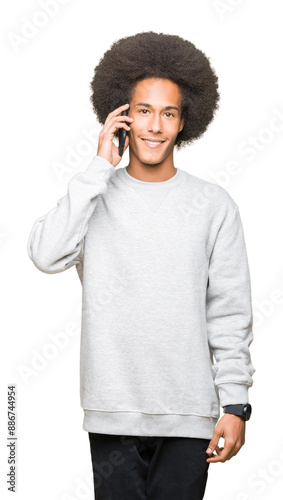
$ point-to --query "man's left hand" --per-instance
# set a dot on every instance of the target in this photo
(232, 428)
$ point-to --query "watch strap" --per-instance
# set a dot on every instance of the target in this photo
(242, 410)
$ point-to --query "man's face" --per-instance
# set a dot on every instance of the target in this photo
(156, 110)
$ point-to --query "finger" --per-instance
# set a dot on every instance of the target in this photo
(117, 111)
(214, 440)
(224, 453)
(221, 457)
(115, 123)
(110, 133)
(119, 118)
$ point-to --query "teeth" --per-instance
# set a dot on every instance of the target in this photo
(153, 142)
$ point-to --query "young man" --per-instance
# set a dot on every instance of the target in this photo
(166, 288)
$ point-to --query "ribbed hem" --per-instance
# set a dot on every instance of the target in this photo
(143, 424)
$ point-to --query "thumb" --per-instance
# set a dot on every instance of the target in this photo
(213, 443)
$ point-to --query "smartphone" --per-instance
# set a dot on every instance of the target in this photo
(122, 135)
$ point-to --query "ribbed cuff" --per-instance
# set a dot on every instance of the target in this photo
(100, 166)
(233, 394)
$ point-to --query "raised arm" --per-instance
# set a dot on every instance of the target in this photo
(56, 240)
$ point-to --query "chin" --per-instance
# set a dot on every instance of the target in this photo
(152, 161)
(151, 158)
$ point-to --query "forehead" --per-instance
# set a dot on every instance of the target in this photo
(157, 91)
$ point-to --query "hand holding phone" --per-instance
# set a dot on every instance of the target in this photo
(116, 120)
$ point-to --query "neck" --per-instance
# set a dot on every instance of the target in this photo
(155, 172)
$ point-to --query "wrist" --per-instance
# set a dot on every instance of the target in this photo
(242, 410)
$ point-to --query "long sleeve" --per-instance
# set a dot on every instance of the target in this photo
(229, 312)
(56, 240)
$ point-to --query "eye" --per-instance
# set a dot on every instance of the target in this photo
(146, 111)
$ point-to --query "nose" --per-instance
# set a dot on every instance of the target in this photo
(154, 123)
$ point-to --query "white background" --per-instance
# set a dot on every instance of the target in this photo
(46, 113)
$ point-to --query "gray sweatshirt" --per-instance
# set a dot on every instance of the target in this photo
(166, 299)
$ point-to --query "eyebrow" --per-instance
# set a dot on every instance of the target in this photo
(149, 106)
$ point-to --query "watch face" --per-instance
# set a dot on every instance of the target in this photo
(247, 411)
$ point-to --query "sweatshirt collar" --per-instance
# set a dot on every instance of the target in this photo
(132, 181)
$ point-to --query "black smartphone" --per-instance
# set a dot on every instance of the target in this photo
(122, 135)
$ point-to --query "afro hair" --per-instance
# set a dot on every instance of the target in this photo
(149, 54)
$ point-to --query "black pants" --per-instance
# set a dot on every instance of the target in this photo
(148, 468)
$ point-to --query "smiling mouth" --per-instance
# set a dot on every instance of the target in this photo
(153, 143)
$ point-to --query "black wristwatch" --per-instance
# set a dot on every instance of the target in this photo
(243, 411)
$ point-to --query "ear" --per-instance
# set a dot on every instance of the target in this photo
(182, 123)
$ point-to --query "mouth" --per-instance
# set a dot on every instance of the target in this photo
(152, 143)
